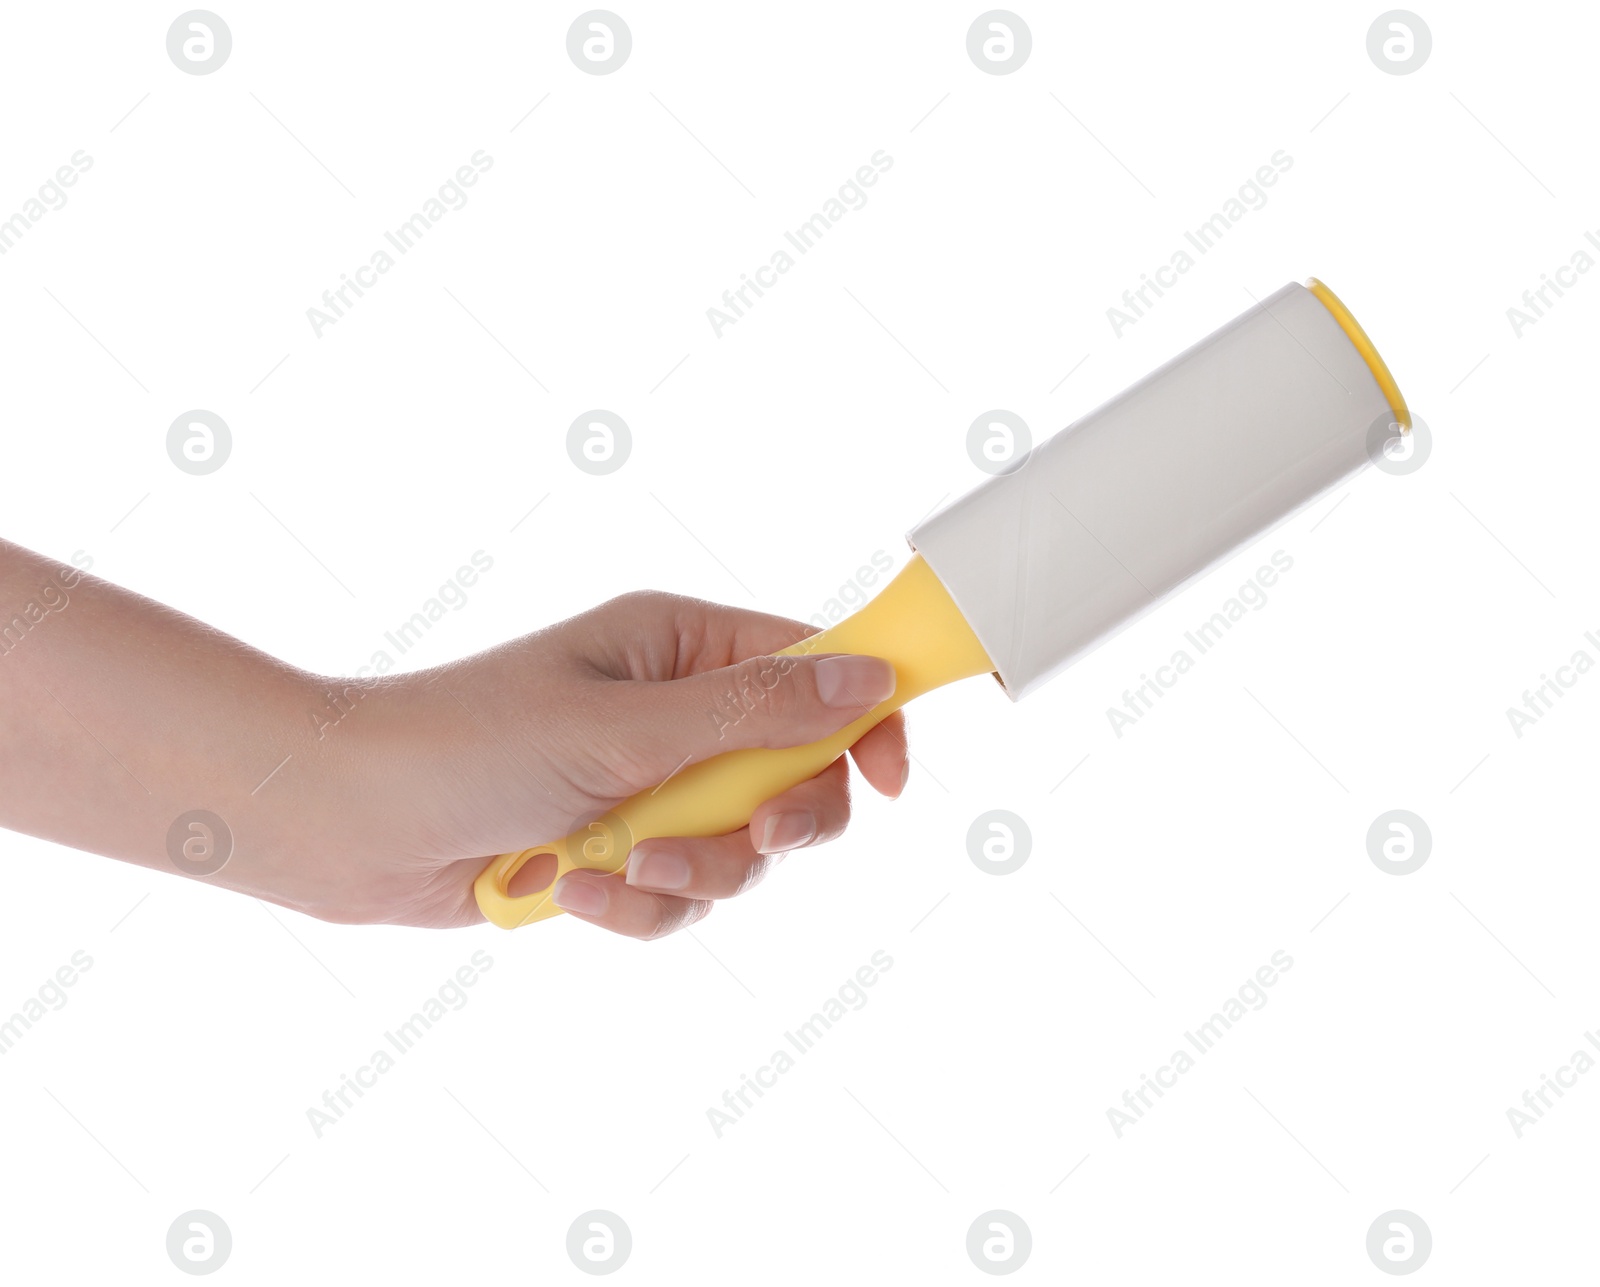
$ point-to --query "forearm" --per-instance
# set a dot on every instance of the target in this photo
(119, 715)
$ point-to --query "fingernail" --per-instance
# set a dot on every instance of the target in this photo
(786, 831)
(581, 896)
(854, 681)
(905, 776)
(657, 869)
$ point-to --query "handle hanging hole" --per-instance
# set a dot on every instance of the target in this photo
(536, 874)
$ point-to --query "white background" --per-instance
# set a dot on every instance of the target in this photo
(767, 466)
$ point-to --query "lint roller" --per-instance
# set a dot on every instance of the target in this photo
(1035, 567)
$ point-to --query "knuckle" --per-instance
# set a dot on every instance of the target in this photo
(670, 919)
(635, 600)
(755, 872)
(763, 690)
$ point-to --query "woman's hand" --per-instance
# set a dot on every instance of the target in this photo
(390, 795)
(525, 743)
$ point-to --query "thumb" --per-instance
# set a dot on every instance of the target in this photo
(760, 702)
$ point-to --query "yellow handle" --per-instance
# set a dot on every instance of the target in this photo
(912, 624)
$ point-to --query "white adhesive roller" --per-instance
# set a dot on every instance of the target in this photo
(1104, 520)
